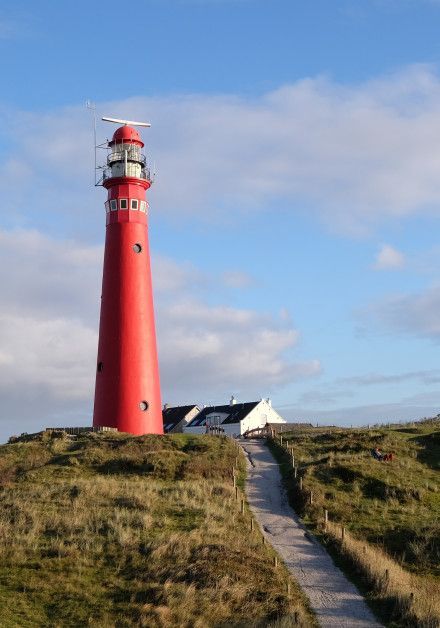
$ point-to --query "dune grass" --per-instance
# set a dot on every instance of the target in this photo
(402, 597)
(390, 511)
(113, 530)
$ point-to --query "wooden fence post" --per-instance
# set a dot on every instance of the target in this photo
(252, 524)
(325, 519)
(236, 492)
(275, 561)
(342, 532)
(311, 497)
(295, 471)
(242, 506)
(300, 484)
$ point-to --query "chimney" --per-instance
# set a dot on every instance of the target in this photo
(233, 401)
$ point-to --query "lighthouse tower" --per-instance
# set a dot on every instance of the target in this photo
(127, 392)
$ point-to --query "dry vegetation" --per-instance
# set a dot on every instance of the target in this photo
(390, 511)
(111, 530)
(412, 599)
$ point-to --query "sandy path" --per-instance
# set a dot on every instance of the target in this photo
(334, 599)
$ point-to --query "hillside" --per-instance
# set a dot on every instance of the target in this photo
(387, 509)
(112, 530)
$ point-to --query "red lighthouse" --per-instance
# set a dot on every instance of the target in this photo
(127, 392)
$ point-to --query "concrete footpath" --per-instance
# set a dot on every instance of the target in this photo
(335, 600)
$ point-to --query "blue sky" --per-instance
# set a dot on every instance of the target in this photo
(294, 218)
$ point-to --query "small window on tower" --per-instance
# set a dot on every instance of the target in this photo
(113, 205)
(107, 207)
(134, 204)
(123, 203)
(143, 206)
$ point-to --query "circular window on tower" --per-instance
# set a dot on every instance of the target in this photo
(137, 248)
(143, 405)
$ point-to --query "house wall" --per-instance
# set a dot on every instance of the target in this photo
(200, 429)
(263, 413)
(273, 416)
(232, 429)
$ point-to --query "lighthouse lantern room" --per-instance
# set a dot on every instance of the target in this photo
(127, 391)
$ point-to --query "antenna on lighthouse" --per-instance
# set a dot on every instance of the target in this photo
(92, 107)
(126, 122)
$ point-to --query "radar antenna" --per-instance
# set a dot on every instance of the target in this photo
(126, 122)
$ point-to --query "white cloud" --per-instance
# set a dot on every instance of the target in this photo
(58, 354)
(171, 276)
(374, 379)
(389, 258)
(49, 277)
(355, 155)
(321, 397)
(417, 314)
(219, 349)
(236, 279)
(404, 410)
(331, 393)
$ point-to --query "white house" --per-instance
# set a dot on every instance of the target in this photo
(235, 418)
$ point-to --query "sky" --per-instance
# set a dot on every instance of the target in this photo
(294, 217)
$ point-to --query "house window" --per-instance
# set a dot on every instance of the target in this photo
(134, 204)
(213, 420)
(113, 205)
(143, 206)
(123, 203)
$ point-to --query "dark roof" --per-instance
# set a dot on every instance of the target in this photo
(236, 413)
(172, 416)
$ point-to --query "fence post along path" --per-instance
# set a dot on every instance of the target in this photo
(334, 599)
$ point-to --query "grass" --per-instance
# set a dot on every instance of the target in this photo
(390, 511)
(113, 530)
